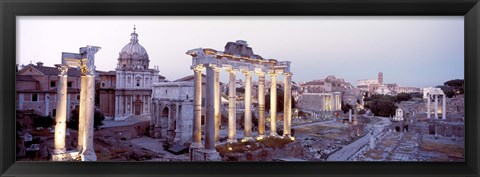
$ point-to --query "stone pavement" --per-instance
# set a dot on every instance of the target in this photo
(351, 149)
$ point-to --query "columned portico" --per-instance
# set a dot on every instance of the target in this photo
(435, 92)
(214, 62)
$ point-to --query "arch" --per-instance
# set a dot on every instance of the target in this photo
(165, 112)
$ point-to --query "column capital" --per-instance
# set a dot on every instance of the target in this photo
(63, 69)
(260, 73)
(272, 74)
(287, 74)
(246, 72)
(198, 68)
(231, 70)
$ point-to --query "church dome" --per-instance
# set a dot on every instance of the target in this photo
(134, 55)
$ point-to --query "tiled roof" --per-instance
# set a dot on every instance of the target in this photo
(186, 78)
(72, 72)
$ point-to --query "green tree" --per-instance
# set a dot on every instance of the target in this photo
(279, 101)
(98, 118)
(403, 97)
(382, 107)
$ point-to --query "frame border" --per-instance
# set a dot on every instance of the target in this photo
(9, 9)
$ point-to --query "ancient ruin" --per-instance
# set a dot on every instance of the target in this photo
(430, 92)
(86, 61)
(237, 57)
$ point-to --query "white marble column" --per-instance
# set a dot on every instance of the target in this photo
(88, 150)
(210, 109)
(261, 104)
(287, 106)
(60, 117)
(436, 106)
(116, 106)
(273, 104)
(428, 106)
(247, 132)
(197, 109)
(81, 112)
(232, 108)
(444, 107)
(217, 103)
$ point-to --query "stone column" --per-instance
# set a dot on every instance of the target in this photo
(350, 115)
(81, 112)
(324, 102)
(197, 109)
(248, 106)
(436, 106)
(210, 106)
(273, 104)
(61, 114)
(333, 102)
(116, 106)
(428, 106)
(444, 107)
(157, 130)
(217, 103)
(261, 104)
(232, 108)
(88, 150)
(287, 106)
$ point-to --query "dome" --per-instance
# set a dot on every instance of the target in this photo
(133, 55)
(134, 50)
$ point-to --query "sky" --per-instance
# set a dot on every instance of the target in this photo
(419, 51)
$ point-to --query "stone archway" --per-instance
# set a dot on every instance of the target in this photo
(165, 112)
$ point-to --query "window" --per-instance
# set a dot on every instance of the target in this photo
(34, 97)
(78, 97)
(53, 84)
(138, 83)
(103, 84)
(69, 84)
(203, 102)
(166, 91)
(187, 97)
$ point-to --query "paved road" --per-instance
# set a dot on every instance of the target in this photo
(349, 150)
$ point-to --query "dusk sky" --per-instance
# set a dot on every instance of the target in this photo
(410, 51)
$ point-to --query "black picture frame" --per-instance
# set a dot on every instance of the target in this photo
(9, 9)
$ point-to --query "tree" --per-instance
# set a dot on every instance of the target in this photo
(279, 101)
(43, 121)
(98, 118)
(382, 107)
(403, 97)
(346, 107)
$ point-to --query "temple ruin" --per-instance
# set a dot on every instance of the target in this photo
(237, 58)
(86, 61)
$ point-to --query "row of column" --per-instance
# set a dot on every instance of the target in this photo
(213, 102)
(124, 104)
(332, 102)
(444, 106)
(122, 80)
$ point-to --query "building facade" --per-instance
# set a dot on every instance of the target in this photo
(134, 79)
(36, 87)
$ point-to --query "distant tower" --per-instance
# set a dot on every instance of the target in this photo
(380, 78)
